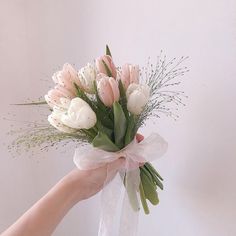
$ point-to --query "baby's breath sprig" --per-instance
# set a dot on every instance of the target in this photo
(160, 78)
(44, 137)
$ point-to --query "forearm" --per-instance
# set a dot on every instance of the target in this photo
(42, 218)
(46, 214)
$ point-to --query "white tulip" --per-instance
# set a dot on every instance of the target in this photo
(79, 115)
(137, 97)
(55, 120)
(87, 76)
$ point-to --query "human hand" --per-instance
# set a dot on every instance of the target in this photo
(46, 214)
(86, 183)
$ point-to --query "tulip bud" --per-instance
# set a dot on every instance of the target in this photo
(108, 90)
(129, 74)
(79, 115)
(137, 97)
(87, 76)
(106, 66)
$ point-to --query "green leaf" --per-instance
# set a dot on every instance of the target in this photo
(31, 103)
(146, 172)
(143, 199)
(155, 179)
(103, 142)
(129, 132)
(149, 188)
(108, 71)
(150, 167)
(104, 129)
(123, 99)
(108, 52)
(120, 124)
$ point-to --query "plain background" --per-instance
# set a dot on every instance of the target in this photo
(37, 37)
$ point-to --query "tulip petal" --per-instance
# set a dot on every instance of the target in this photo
(115, 89)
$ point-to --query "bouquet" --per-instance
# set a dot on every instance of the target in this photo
(104, 106)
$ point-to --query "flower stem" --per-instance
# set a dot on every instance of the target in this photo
(143, 199)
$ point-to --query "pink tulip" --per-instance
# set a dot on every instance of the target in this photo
(109, 63)
(67, 78)
(129, 75)
(65, 86)
(108, 90)
(56, 97)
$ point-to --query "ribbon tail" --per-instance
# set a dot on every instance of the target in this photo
(110, 198)
(131, 204)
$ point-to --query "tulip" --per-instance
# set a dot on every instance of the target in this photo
(108, 90)
(55, 120)
(67, 78)
(65, 86)
(79, 115)
(58, 96)
(129, 75)
(137, 97)
(106, 66)
(87, 76)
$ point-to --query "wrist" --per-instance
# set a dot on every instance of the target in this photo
(71, 183)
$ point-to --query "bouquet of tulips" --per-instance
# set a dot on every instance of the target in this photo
(104, 105)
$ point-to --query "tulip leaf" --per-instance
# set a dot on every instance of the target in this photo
(131, 131)
(120, 125)
(123, 99)
(31, 103)
(108, 71)
(152, 169)
(129, 136)
(143, 199)
(108, 51)
(104, 129)
(149, 188)
(103, 142)
(153, 176)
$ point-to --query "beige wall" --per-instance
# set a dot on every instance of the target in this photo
(37, 37)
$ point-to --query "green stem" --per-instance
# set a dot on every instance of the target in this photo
(143, 199)
(150, 167)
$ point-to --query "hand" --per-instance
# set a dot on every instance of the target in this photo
(43, 217)
(86, 183)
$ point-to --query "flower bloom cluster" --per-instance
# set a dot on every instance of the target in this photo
(71, 113)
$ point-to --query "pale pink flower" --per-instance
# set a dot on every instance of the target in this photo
(67, 78)
(129, 74)
(109, 63)
(65, 86)
(108, 89)
(55, 97)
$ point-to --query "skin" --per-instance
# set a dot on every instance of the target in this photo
(44, 216)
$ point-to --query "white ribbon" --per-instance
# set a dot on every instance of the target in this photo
(88, 157)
